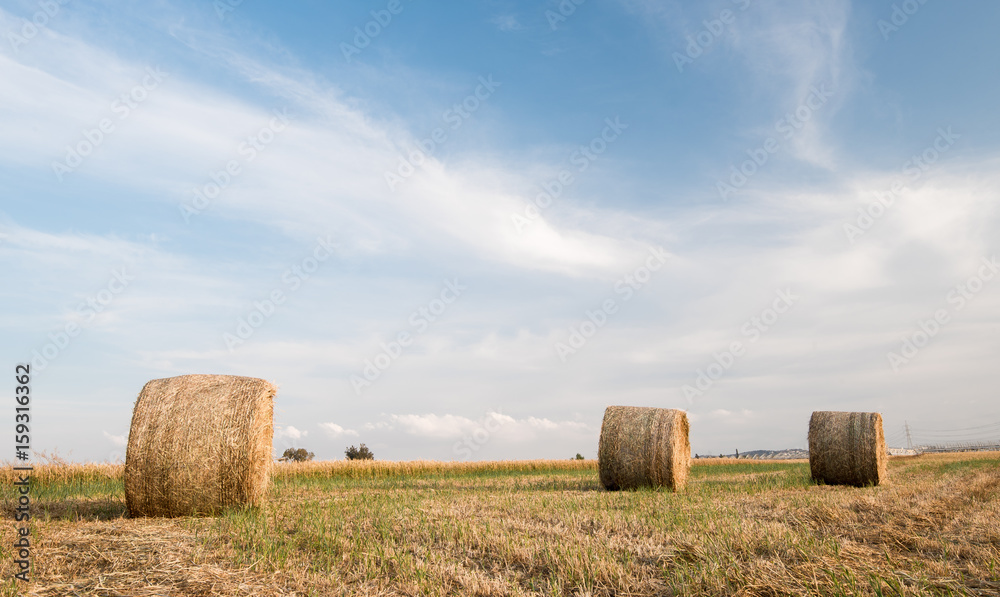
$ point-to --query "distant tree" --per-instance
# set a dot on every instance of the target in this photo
(362, 453)
(579, 456)
(300, 455)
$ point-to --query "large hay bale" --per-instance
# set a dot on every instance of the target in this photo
(847, 448)
(198, 444)
(644, 447)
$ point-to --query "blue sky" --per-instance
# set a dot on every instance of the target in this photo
(746, 209)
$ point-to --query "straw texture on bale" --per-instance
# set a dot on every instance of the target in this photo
(644, 447)
(198, 444)
(847, 448)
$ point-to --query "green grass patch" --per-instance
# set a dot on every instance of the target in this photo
(947, 468)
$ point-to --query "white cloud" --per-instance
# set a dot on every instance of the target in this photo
(506, 22)
(118, 440)
(432, 426)
(289, 432)
(722, 413)
(334, 431)
(448, 426)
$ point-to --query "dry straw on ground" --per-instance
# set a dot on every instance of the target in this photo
(198, 444)
(847, 448)
(644, 447)
(748, 528)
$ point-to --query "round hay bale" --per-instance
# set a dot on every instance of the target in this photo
(847, 448)
(644, 447)
(198, 444)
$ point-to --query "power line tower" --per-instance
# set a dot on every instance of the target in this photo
(909, 440)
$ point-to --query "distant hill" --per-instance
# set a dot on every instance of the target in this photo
(790, 454)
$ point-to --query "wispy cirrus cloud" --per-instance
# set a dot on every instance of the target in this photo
(785, 50)
(328, 165)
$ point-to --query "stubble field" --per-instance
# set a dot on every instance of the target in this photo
(527, 528)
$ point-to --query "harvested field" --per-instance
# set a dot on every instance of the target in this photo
(537, 528)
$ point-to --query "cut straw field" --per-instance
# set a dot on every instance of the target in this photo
(529, 528)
